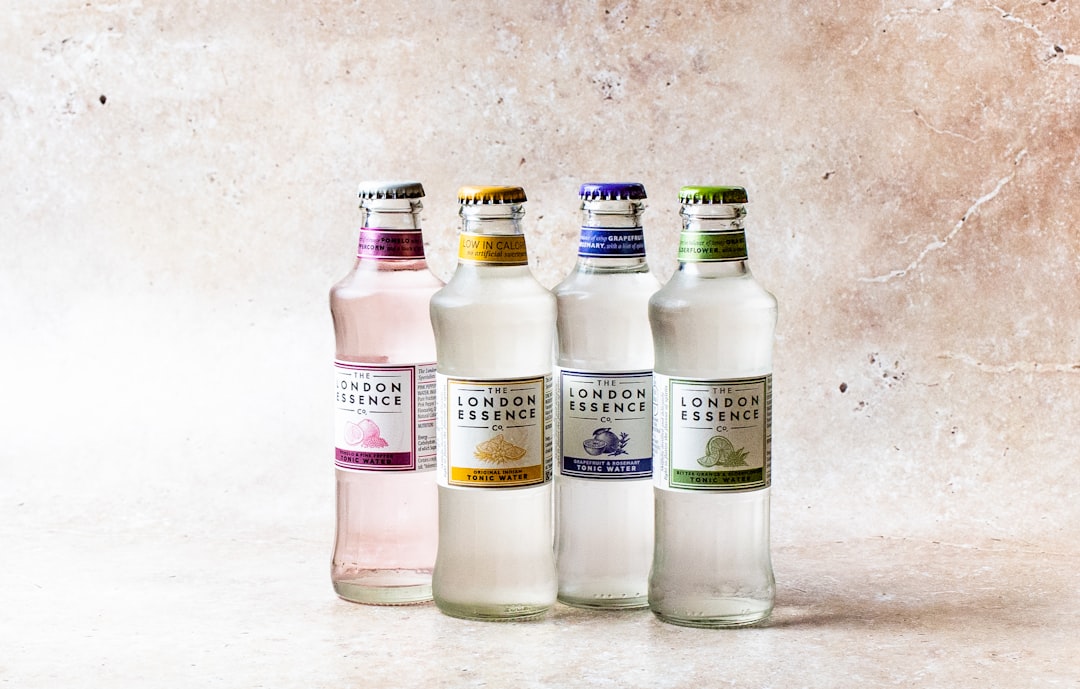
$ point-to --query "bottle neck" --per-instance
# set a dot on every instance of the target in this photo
(494, 219)
(612, 238)
(713, 241)
(492, 236)
(385, 219)
(390, 231)
(713, 217)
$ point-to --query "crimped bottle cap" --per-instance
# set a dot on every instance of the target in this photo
(391, 190)
(707, 194)
(612, 191)
(473, 195)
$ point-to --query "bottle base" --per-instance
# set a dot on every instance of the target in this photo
(717, 613)
(605, 601)
(493, 613)
(386, 588)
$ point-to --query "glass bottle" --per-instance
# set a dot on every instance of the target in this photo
(384, 388)
(494, 327)
(713, 327)
(603, 483)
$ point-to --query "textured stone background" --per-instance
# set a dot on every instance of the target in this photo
(179, 196)
(178, 185)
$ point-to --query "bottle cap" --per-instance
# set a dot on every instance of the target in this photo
(391, 190)
(612, 191)
(472, 195)
(707, 194)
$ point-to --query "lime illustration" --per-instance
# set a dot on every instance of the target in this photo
(718, 445)
(720, 452)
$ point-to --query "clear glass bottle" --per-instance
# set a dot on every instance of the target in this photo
(603, 483)
(713, 327)
(494, 327)
(384, 388)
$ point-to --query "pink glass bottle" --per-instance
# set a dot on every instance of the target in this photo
(384, 409)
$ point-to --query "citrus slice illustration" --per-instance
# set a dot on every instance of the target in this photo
(366, 433)
(498, 451)
(719, 445)
(709, 460)
(354, 434)
(720, 451)
(594, 446)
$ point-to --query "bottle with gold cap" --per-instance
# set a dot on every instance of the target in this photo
(494, 326)
(713, 326)
(384, 407)
(603, 479)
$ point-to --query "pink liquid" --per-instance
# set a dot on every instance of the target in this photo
(387, 522)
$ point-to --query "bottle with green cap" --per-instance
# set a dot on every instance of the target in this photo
(384, 406)
(603, 480)
(494, 327)
(713, 326)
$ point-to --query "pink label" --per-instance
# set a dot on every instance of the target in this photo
(360, 459)
(390, 243)
(384, 417)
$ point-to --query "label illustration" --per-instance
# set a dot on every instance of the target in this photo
(384, 417)
(503, 250)
(712, 246)
(375, 243)
(713, 434)
(494, 433)
(606, 424)
(601, 242)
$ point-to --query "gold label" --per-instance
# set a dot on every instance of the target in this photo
(494, 433)
(503, 250)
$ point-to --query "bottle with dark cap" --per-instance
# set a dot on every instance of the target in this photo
(384, 406)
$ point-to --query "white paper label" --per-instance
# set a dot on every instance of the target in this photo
(494, 433)
(605, 424)
(384, 417)
(712, 434)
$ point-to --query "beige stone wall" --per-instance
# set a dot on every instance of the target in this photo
(178, 195)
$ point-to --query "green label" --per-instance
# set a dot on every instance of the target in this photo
(683, 478)
(712, 246)
(712, 434)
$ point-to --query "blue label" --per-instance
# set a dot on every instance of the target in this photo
(606, 424)
(607, 468)
(602, 242)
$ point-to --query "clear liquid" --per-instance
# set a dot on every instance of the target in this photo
(711, 565)
(604, 537)
(495, 557)
(384, 550)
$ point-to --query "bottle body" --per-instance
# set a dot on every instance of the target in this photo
(603, 482)
(494, 325)
(713, 326)
(386, 504)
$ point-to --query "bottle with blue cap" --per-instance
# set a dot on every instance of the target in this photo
(604, 500)
(713, 326)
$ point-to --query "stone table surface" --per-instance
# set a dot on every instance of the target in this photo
(98, 607)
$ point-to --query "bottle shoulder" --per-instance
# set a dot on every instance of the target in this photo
(588, 283)
(492, 284)
(683, 288)
(365, 280)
